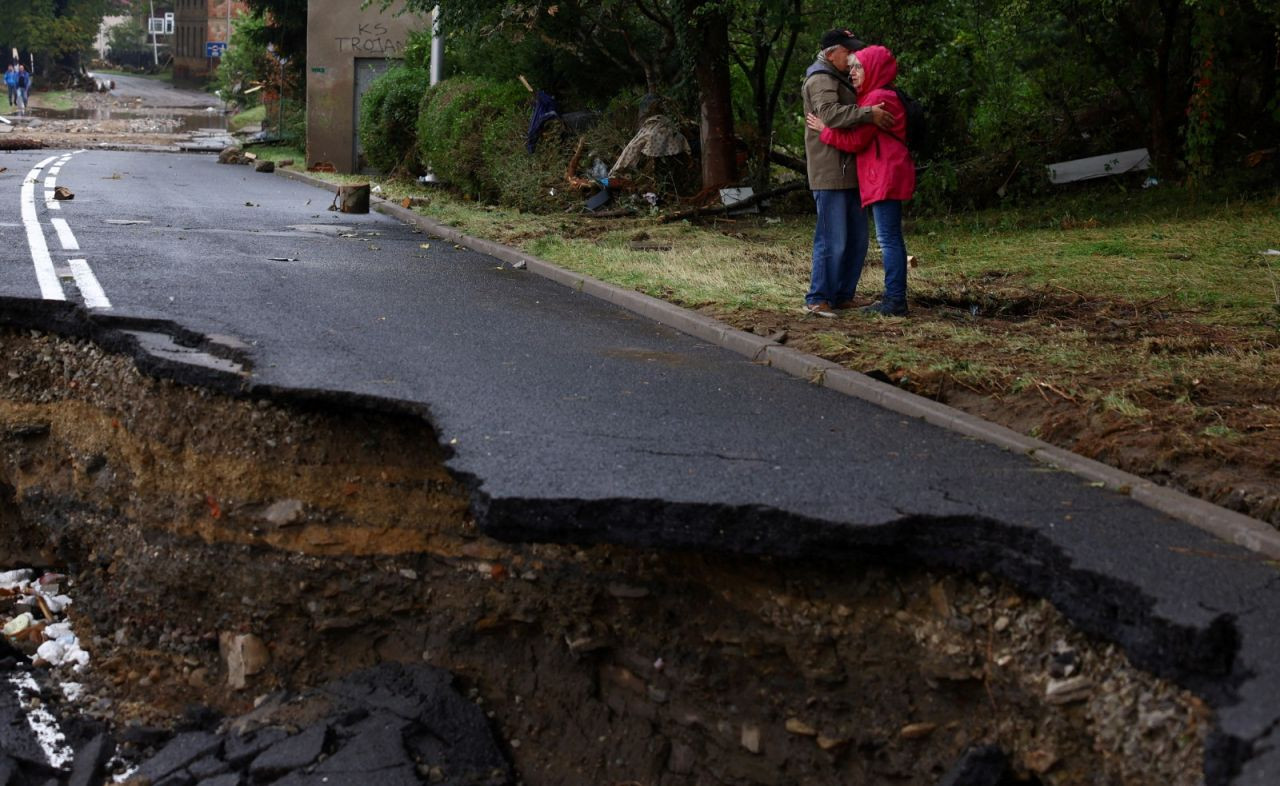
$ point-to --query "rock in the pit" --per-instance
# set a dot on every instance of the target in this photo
(181, 751)
(86, 768)
(915, 731)
(245, 655)
(1068, 690)
(290, 754)
(284, 512)
(982, 766)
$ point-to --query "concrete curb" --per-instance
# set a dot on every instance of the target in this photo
(1227, 525)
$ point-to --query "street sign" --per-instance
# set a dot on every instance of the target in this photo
(214, 48)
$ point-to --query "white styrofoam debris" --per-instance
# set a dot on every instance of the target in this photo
(12, 579)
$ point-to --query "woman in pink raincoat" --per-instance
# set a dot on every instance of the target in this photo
(886, 173)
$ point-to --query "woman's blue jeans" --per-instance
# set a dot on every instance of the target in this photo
(888, 218)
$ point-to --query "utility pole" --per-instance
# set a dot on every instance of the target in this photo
(437, 48)
(155, 47)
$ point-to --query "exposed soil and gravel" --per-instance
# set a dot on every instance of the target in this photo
(336, 539)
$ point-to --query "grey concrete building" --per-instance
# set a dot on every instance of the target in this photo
(347, 48)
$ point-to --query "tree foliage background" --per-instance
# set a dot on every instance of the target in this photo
(1009, 85)
(58, 32)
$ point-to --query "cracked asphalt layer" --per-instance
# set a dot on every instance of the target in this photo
(576, 421)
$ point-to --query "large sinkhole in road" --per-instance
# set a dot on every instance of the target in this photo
(337, 540)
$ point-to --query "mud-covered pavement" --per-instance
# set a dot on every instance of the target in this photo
(335, 538)
(138, 113)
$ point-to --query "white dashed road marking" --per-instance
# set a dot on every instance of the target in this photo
(46, 274)
(88, 284)
(68, 240)
(50, 289)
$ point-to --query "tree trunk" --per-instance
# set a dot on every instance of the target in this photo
(719, 162)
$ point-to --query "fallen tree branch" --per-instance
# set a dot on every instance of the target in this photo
(790, 162)
(748, 202)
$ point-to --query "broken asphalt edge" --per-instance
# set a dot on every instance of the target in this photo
(1203, 657)
(1227, 525)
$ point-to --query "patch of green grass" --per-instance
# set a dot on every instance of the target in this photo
(59, 100)
(163, 75)
(1221, 432)
(249, 117)
(1117, 401)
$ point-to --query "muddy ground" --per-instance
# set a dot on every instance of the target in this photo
(1214, 436)
(104, 119)
(335, 535)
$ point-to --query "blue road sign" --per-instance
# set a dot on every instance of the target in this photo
(214, 48)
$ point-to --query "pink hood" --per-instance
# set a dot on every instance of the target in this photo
(879, 66)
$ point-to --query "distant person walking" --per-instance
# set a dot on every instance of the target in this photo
(11, 79)
(886, 173)
(24, 85)
(840, 233)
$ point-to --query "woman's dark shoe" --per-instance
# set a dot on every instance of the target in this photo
(887, 308)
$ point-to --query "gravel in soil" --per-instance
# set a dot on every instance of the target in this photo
(224, 549)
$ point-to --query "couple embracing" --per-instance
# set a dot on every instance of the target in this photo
(857, 157)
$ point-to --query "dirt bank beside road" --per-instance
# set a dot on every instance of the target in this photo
(337, 538)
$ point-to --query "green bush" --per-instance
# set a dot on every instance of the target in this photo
(471, 134)
(389, 120)
(459, 120)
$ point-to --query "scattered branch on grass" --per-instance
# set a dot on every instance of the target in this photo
(748, 202)
(1055, 389)
(571, 172)
(790, 162)
(1079, 297)
(1139, 307)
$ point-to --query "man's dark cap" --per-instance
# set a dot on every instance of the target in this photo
(841, 38)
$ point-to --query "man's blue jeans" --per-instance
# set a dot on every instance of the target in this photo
(888, 216)
(839, 246)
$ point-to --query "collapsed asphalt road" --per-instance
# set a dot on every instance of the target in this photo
(576, 422)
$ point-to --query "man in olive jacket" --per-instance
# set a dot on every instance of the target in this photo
(840, 235)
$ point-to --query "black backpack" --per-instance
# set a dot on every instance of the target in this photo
(917, 122)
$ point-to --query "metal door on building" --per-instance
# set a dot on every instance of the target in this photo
(367, 70)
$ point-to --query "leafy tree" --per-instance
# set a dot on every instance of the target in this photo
(246, 63)
(127, 36)
(284, 25)
(660, 41)
(62, 30)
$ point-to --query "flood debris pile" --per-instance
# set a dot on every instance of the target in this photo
(36, 623)
(233, 552)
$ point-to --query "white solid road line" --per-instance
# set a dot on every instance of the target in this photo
(46, 276)
(65, 237)
(88, 284)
